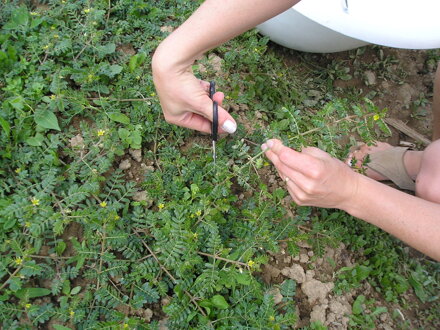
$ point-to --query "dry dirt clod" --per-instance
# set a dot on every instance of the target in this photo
(318, 313)
(136, 154)
(316, 291)
(148, 314)
(125, 164)
(295, 272)
(270, 272)
(277, 296)
(77, 141)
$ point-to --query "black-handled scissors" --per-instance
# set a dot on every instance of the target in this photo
(214, 125)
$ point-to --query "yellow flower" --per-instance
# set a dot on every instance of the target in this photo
(271, 318)
(27, 224)
(87, 10)
(376, 117)
(117, 217)
(195, 235)
(228, 97)
(34, 13)
(72, 313)
(35, 201)
(125, 325)
(199, 213)
(103, 204)
(46, 47)
(53, 97)
(161, 206)
(18, 261)
(27, 306)
(17, 170)
(56, 36)
(266, 164)
(251, 263)
(153, 94)
(101, 132)
(52, 27)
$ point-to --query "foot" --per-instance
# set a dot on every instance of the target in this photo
(358, 159)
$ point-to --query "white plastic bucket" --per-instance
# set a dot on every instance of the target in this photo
(326, 26)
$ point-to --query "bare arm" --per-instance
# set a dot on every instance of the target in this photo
(183, 98)
(411, 219)
(317, 179)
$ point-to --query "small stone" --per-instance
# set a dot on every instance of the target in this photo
(148, 314)
(165, 301)
(140, 196)
(166, 28)
(383, 317)
(287, 259)
(147, 168)
(125, 164)
(77, 142)
(310, 274)
(295, 272)
(310, 253)
(277, 296)
(370, 78)
(136, 154)
(303, 258)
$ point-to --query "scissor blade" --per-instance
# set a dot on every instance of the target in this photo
(214, 155)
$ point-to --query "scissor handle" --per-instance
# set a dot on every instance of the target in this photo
(214, 125)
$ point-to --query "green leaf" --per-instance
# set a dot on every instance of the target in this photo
(5, 125)
(17, 102)
(35, 141)
(106, 49)
(61, 246)
(60, 327)
(75, 290)
(219, 302)
(31, 293)
(46, 119)
(357, 305)
(119, 117)
(19, 17)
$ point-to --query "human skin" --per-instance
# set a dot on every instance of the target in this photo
(436, 106)
(317, 179)
(183, 97)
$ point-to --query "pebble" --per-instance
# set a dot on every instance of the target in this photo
(125, 164)
(136, 154)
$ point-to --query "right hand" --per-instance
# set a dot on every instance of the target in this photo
(185, 100)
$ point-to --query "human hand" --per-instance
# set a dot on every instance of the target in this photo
(185, 100)
(312, 176)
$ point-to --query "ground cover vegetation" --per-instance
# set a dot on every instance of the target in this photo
(86, 245)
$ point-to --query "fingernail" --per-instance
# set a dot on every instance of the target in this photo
(269, 143)
(264, 147)
(229, 126)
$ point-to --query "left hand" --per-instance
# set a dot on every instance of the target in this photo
(312, 176)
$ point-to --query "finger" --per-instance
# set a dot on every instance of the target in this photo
(218, 97)
(205, 85)
(289, 175)
(227, 124)
(304, 163)
(193, 121)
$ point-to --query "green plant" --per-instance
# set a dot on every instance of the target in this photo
(80, 248)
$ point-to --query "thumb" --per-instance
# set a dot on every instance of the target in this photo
(226, 122)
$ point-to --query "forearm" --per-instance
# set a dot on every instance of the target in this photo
(411, 219)
(212, 24)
